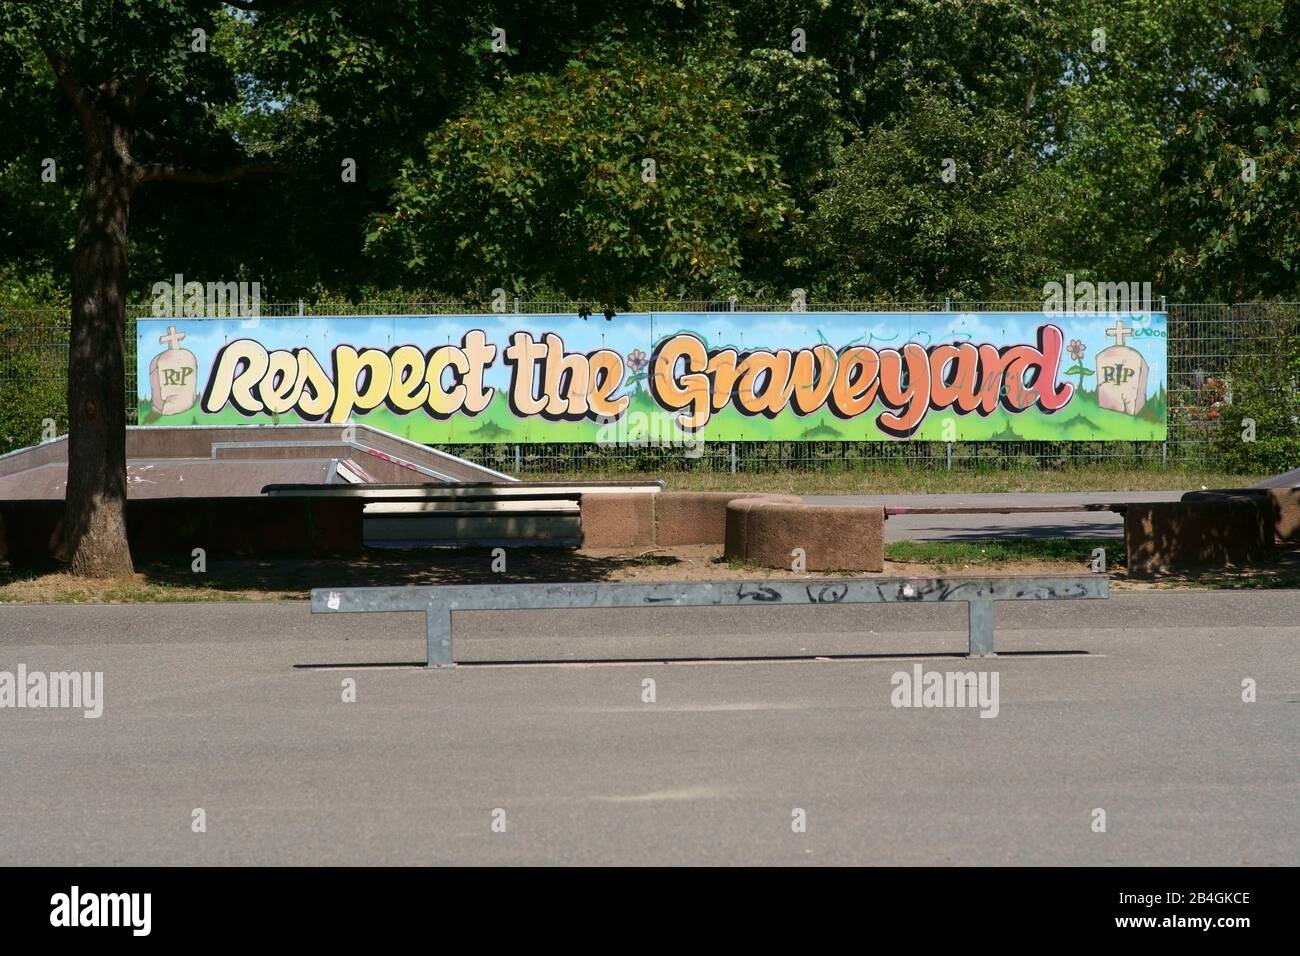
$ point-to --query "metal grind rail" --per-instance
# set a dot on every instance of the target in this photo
(437, 602)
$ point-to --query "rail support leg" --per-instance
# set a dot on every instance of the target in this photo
(437, 624)
(981, 629)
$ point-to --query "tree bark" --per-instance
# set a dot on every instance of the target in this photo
(95, 503)
(94, 514)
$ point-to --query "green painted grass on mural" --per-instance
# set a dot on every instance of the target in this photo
(1082, 420)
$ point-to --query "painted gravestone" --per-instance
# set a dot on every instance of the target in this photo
(1122, 374)
(173, 376)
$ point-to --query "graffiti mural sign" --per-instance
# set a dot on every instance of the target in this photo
(715, 376)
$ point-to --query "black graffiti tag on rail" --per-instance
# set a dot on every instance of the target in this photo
(828, 593)
(907, 591)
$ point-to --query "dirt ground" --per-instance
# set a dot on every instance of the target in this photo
(293, 580)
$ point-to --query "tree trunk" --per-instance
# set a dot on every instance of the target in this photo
(95, 504)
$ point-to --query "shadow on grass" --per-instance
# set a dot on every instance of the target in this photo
(1282, 570)
(434, 566)
(241, 579)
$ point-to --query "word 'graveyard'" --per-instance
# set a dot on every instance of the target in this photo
(910, 381)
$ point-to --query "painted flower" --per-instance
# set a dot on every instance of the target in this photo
(1076, 350)
(637, 361)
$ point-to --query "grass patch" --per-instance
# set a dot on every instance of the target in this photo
(1074, 555)
(1072, 551)
(885, 481)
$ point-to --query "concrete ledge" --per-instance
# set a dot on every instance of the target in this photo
(618, 520)
(30, 530)
(1283, 505)
(833, 537)
(699, 517)
(1185, 535)
(45, 453)
(736, 534)
(173, 527)
(245, 527)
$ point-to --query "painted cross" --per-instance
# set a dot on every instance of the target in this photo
(1119, 333)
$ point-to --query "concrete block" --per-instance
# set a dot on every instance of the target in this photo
(1283, 506)
(618, 520)
(1186, 535)
(699, 517)
(833, 537)
(736, 533)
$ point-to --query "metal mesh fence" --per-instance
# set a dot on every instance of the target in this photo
(1204, 339)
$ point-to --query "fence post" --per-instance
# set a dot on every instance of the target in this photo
(733, 457)
(979, 621)
(519, 460)
(437, 630)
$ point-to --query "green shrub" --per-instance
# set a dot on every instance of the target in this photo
(1259, 428)
(33, 373)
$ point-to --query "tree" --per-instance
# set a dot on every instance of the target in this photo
(620, 172)
(793, 112)
(130, 70)
(1134, 76)
(1232, 179)
(933, 206)
(994, 64)
(200, 92)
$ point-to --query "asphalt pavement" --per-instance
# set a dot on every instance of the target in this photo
(1131, 706)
